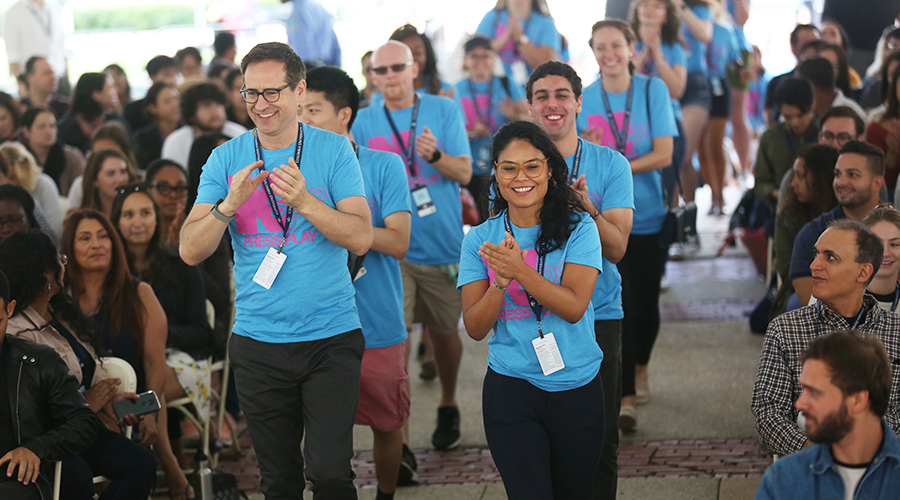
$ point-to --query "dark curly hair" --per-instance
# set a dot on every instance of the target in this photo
(671, 29)
(819, 160)
(559, 213)
(18, 195)
(197, 94)
(431, 80)
(24, 258)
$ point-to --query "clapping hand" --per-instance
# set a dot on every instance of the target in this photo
(426, 144)
(505, 259)
(290, 184)
(594, 135)
(242, 187)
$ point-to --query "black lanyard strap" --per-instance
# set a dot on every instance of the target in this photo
(289, 210)
(576, 163)
(536, 306)
(621, 135)
(409, 153)
(486, 119)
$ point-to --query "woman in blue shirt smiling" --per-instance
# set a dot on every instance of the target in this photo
(528, 273)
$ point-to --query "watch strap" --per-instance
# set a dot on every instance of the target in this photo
(219, 215)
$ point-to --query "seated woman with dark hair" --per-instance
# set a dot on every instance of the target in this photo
(17, 212)
(128, 318)
(10, 117)
(112, 136)
(94, 102)
(61, 162)
(167, 184)
(164, 109)
(46, 315)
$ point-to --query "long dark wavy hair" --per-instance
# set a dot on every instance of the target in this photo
(671, 29)
(819, 161)
(431, 80)
(559, 213)
(25, 257)
(154, 250)
(83, 102)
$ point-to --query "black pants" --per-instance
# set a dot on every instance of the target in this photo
(130, 466)
(545, 444)
(609, 338)
(288, 388)
(641, 268)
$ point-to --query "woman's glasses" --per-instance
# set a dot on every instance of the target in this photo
(510, 170)
(167, 189)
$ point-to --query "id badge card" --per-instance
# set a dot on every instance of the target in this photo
(716, 86)
(422, 198)
(269, 268)
(548, 354)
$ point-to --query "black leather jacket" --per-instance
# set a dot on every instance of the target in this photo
(50, 416)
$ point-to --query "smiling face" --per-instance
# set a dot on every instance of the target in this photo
(108, 96)
(651, 13)
(138, 220)
(112, 175)
(554, 106)
(276, 120)
(835, 272)
(93, 246)
(522, 191)
(823, 404)
(853, 184)
(612, 51)
(800, 182)
(42, 133)
(479, 62)
(890, 238)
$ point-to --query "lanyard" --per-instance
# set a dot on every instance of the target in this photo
(576, 163)
(486, 119)
(47, 24)
(289, 211)
(896, 297)
(621, 135)
(536, 306)
(860, 316)
(409, 154)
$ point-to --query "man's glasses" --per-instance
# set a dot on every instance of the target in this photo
(396, 68)
(251, 96)
(14, 220)
(167, 189)
(510, 170)
(842, 138)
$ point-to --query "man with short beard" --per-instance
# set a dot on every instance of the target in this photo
(203, 110)
(846, 382)
(847, 256)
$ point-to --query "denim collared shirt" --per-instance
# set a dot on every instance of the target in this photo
(812, 474)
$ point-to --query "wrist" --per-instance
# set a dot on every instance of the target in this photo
(223, 211)
(498, 287)
(436, 156)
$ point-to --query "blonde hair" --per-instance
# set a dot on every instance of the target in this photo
(22, 163)
(882, 214)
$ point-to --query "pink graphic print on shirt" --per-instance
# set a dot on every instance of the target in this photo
(471, 110)
(609, 136)
(257, 209)
(388, 143)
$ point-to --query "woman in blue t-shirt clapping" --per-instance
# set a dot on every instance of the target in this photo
(528, 273)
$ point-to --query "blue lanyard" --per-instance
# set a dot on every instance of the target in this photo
(860, 316)
(409, 153)
(536, 306)
(576, 163)
(486, 119)
(289, 211)
(621, 135)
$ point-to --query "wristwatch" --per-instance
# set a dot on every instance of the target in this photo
(436, 156)
(219, 215)
(523, 39)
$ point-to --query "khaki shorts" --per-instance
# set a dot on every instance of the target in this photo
(430, 297)
(384, 388)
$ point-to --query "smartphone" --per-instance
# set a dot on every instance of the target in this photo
(146, 403)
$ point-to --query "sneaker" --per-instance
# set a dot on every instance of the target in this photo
(676, 251)
(408, 467)
(627, 418)
(641, 389)
(428, 370)
(446, 435)
(692, 245)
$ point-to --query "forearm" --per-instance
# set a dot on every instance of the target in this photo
(741, 12)
(560, 300)
(390, 242)
(675, 78)
(534, 55)
(700, 28)
(654, 160)
(612, 239)
(482, 315)
(200, 237)
(455, 168)
(347, 230)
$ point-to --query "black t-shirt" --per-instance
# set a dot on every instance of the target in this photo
(7, 431)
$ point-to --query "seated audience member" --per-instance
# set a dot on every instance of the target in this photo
(161, 69)
(50, 423)
(874, 87)
(163, 105)
(17, 211)
(226, 49)
(112, 136)
(93, 104)
(833, 32)
(190, 64)
(61, 162)
(22, 170)
(168, 185)
(237, 109)
(819, 72)
(203, 110)
(106, 171)
(129, 320)
(179, 289)
(840, 125)
(808, 195)
(42, 86)
(217, 73)
(835, 55)
(885, 134)
(778, 145)
(801, 34)
(853, 452)
(858, 176)
(884, 221)
(10, 118)
(848, 255)
(45, 315)
(123, 88)
(887, 78)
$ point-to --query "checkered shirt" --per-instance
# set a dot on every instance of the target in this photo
(777, 384)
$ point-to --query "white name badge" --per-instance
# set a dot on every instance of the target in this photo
(548, 354)
(269, 268)
(422, 198)
(359, 274)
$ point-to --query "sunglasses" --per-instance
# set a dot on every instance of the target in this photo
(396, 68)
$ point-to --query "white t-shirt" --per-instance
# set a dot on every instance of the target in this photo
(851, 477)
(177, 147)
(29, 30)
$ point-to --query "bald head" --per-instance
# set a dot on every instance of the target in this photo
(393, 51)
(394, 74)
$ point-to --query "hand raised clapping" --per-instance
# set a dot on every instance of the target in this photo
(506, 260)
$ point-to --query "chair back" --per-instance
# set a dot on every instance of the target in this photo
(120, 369)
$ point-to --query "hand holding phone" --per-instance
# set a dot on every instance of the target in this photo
(145, 404)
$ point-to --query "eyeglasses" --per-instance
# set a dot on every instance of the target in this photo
(510, 170)
(167, 189)
(367, 69)
(14, 220)
(396, 68)
(251, 96)
(842, 138)
(63, 260)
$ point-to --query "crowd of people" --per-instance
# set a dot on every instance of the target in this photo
(328, 220)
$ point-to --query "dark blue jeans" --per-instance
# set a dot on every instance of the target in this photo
(130, 467)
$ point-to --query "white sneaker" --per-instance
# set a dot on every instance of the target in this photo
(642, 389)
(627, 418)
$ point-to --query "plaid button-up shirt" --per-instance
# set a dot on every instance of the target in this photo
(777, 384)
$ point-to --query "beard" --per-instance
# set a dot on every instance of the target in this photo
(857, 199)
(831, 428)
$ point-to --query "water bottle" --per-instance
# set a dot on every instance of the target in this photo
(203, 486)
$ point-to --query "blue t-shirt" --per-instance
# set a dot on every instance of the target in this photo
(650, 210)
(540, 30)
(802, 255)
(379, 292)
(511, 352)
(476, 109)
(740, 37)
(435, 238)
(609, 182)
(695, 49)
(674, 55)
(722, 51)
(312, 297)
